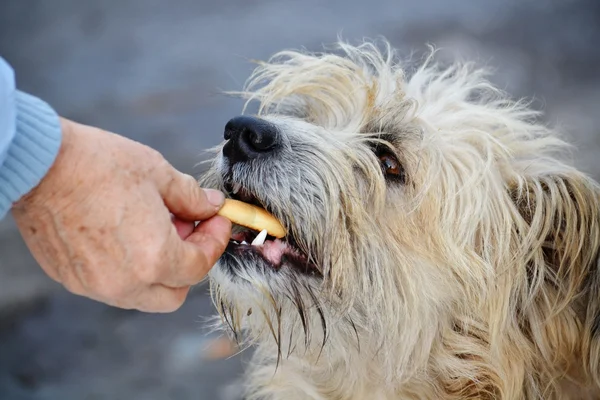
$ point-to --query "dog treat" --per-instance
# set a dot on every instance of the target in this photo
(252, 217)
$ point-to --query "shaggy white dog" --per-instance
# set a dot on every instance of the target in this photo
(440, 246)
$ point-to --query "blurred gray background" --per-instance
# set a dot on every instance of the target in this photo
(153, 71)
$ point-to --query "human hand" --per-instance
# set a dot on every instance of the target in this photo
(100, 224)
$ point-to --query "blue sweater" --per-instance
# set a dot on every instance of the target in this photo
(30, 137)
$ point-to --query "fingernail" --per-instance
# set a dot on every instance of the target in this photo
(215, 197)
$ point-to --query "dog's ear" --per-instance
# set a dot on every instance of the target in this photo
(560, 227)
(559, 232)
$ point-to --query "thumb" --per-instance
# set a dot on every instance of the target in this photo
(186, 199)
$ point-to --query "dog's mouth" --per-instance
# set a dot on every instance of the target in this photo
(276, 253)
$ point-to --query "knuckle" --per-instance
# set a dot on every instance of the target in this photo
(148, 275)
(189, 180)
(177, 299)
(171, 307)
(191, 186)
(148, 269)
(211, 250)
(75, 288)
(195, 259)
(114, 291)
(158, 164)
(155, 155)
(148, 264)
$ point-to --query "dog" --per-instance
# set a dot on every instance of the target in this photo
(441, 245)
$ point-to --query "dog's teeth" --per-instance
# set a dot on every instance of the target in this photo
(244, 242)
(260, 239)
(236, 242)
(236, 188)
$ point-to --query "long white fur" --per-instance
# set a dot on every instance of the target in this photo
(474, 279)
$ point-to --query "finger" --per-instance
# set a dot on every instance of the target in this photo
(185, 198)
(161, 299)
(184, 228)
(191, 259)
(217, 231)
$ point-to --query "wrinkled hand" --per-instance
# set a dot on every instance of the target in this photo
(100, 223)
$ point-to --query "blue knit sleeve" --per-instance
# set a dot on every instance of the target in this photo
(7, 108)
(30, 138)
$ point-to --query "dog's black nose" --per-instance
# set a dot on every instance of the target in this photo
(249, 137)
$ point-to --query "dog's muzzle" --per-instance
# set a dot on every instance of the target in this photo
(248, 140)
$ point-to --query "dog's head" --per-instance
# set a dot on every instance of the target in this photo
(414, 201)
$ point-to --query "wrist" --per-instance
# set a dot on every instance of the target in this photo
(36, 144)
(53, 180)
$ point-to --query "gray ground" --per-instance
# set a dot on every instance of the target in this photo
(152, 70)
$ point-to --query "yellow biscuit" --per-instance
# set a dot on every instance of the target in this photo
(252, 217)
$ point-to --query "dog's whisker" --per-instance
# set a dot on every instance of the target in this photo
(224, 313)
(291, 340)
(279, 355)
(297, 300)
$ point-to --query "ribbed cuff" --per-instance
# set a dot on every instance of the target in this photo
(32, 152)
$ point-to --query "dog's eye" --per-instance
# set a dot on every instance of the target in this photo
(390, 164)
(392, 167)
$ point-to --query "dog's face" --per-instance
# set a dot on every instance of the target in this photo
(342, 182)
(406, 200)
